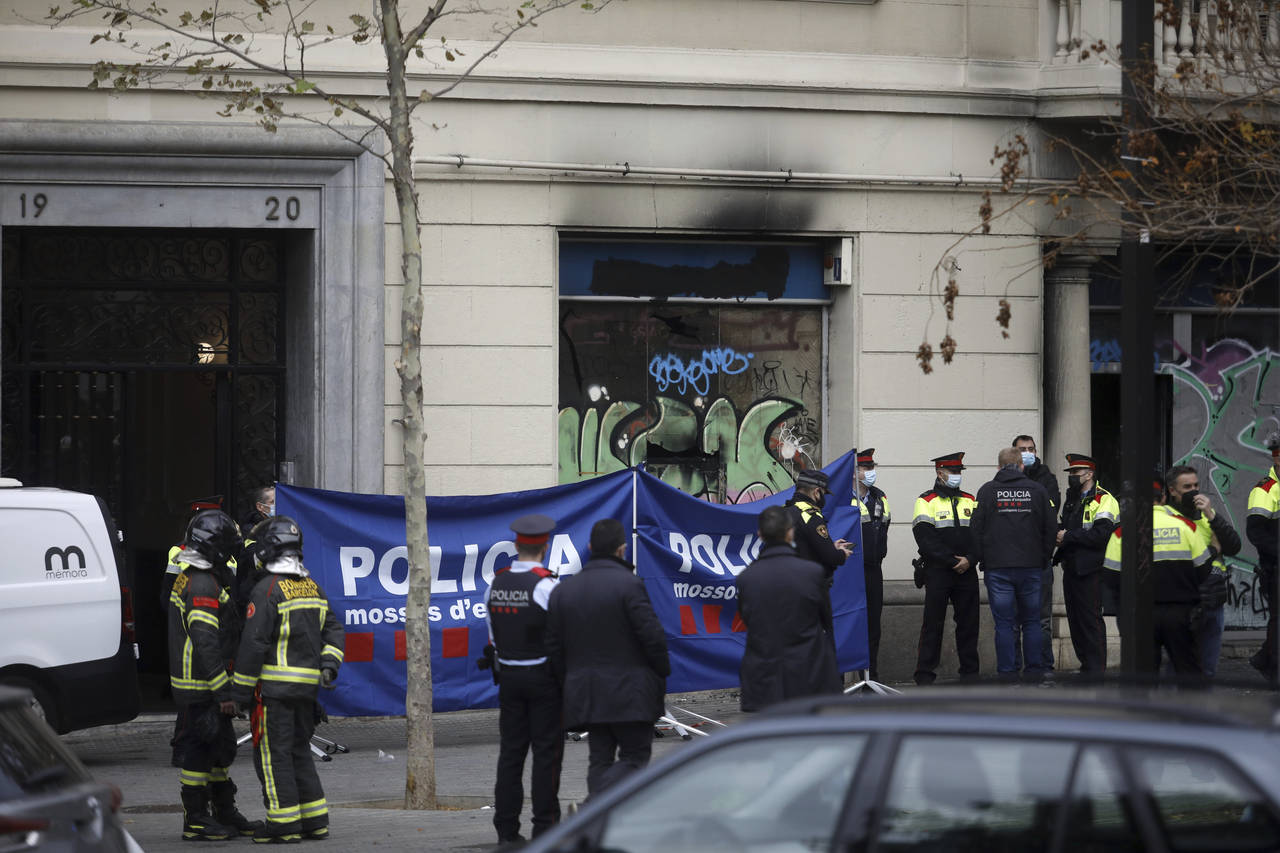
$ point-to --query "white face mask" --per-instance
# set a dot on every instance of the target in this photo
(1028, 458)
(953, 480)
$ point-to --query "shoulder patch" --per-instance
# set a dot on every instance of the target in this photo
(1118, 532)
(542, 573)
(1267, 485)
(248, 614)
(928, 496)
(204, 601)
(967, 495)
(501, 570)
(1188, 522)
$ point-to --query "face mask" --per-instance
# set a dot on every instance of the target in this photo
(820, 500)
(1189, 508)
(1073, 481)
(953, 480)
(1028, 459)
(869, 478)
(268, 509)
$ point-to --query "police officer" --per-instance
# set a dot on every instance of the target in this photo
(1180, 562)
(1089, 514)
(1262, 528)
(204, 627)
(940, 525)
(813, 540)
(529, 711)
(1041, 473)
(873, 505)
(292, 645)
(1185, 500)
(264, 506)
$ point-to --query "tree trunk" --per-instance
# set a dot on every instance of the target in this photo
(420, 766)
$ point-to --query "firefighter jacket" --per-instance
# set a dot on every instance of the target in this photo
(813, 540)
(1088, 521)
(1179, 558)
(290, 632)
(1263, 523)
(204, 627)
(940, 524)
(874, 509)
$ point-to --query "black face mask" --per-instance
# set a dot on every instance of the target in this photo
(820, 500)
(1189, 508)
(1073, 482)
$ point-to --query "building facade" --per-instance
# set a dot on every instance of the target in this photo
(703, 235)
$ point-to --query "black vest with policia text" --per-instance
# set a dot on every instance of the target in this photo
(518, 624)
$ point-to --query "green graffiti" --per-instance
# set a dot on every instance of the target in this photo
(738, 459)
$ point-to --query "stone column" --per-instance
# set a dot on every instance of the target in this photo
(1067, 398)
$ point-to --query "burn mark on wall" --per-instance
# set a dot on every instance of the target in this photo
(766, 273)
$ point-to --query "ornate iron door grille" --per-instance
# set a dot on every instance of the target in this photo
(87, 312)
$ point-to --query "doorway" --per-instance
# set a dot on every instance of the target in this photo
(147, 367)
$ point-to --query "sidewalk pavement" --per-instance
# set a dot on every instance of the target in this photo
(365, 787)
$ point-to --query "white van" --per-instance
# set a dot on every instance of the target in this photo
(66, 608)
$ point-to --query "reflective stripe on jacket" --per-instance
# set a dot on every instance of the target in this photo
(204, 626)
(290, 633)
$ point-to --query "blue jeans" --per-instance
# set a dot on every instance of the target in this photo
(1014, 596)
(1210, 641)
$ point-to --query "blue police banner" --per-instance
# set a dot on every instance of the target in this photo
(688, 553)
(354, 545)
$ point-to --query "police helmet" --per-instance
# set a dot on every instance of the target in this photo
(213, 535)
(276, 537)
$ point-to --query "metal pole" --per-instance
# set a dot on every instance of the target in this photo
(1137, 384)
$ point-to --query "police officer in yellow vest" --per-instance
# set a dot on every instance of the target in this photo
(940, 525)
(1089, 516)
(1262, 527)
(1180, 562)
(813, 540)
(1182, 483)
(873, 505)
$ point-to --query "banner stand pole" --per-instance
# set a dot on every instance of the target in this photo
(864, 680)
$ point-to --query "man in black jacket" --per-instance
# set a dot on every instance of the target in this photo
(1014, 530)
(605, 643)
(873, 505)
(1089, 515)
(813, 540)
(784, 603)
(1039, 472)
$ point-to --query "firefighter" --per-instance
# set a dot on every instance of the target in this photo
(940, 525)
(204, 627)
(292, 645)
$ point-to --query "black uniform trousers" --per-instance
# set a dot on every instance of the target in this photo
(205, 744)
(1265, 658)
(1172, 625)
(529, 715)
(1083, 597)
(291, 787)
(615, 751)
(873, 580)
(943, 586)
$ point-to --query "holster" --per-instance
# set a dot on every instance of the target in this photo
(918, 575)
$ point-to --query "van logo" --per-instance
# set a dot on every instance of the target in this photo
(65, 570)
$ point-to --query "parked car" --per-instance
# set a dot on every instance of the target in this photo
(954, 770)
(66, 608)
(48, 801)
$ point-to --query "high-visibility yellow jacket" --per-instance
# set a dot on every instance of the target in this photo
(1179, 557)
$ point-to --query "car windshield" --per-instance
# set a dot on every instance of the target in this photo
(32, 761)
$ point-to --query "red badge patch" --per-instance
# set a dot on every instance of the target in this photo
(248, 614)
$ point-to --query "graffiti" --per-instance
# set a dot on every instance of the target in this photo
(1221, 417)
(714, 454)
(1104, 353)
(695, 374)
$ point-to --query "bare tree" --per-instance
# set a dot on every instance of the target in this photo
(1200, 178)
(252, 55)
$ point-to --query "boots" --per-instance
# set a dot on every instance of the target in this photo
(315, 829)
(223, 795)
(277, 833)
(197, 823)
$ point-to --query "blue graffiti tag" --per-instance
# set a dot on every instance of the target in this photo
(671, 369)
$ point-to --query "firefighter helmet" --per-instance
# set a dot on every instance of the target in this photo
(213, 535)
(276, 537)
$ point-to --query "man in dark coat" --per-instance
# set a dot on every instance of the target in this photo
(1040, 473)
(784, 602)
(607, 646)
